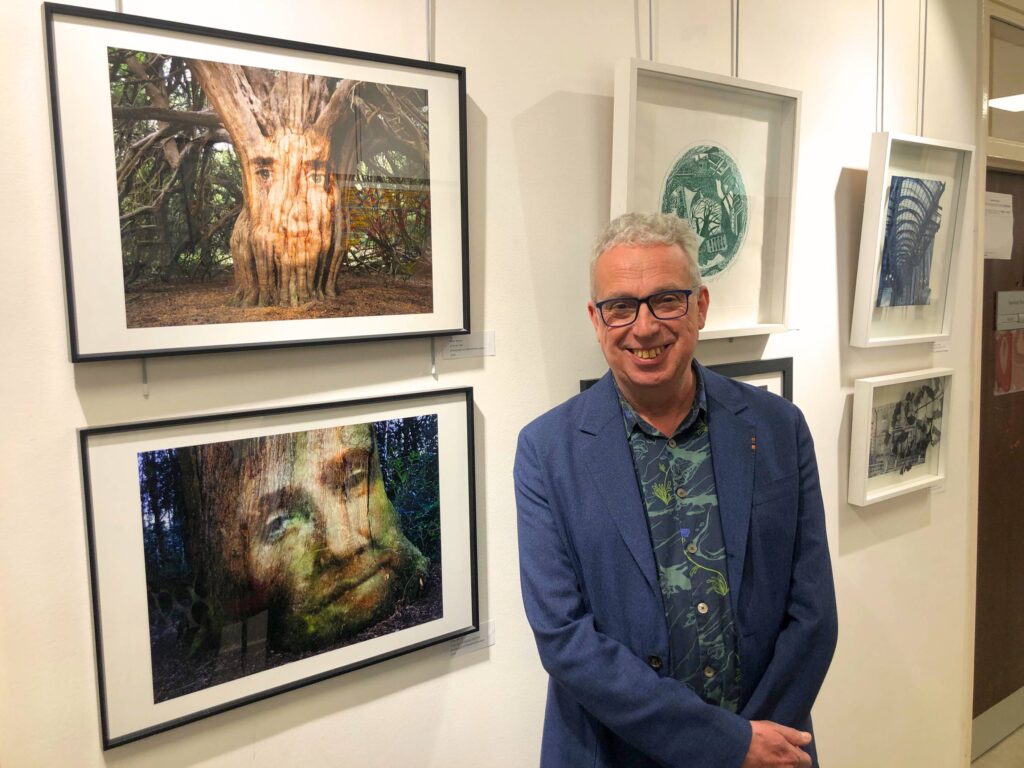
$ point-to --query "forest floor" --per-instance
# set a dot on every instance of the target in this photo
(176, 673)
(159, 304)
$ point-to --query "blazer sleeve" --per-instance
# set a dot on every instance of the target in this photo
(804, 647)
(657, 715)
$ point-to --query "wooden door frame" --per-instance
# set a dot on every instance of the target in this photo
(993, 725)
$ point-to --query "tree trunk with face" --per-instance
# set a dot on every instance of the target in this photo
(291, 236)
(298, 525)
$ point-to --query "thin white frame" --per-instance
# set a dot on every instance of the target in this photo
(864, 330)
(110, 473)
(858, 492)
(77, 40)
(784, 143)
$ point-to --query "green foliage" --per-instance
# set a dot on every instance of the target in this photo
(663, 490)
(390, 208)
(408, 462)
(416, 497)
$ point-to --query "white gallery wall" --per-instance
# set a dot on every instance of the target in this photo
(540, 123)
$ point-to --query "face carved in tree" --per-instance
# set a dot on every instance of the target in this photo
(291, 206)
(307, 533)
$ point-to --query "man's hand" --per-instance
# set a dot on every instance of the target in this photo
(776, 745)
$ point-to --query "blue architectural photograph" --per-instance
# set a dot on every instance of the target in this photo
(913, 218)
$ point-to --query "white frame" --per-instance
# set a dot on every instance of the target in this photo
(784, 143)
(864, 330)
(859, 492)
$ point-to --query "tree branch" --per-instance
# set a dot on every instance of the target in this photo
(204, 119)
(340, 101)
(231, 94)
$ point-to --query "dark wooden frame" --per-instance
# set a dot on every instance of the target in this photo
(467, 558)
(77, 354)
(781, 365)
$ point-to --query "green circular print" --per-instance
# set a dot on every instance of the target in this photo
(705, 188)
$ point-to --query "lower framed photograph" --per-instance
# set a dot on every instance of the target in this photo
(898, 445)
(234, 557)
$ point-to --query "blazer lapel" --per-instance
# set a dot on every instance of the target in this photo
(733, 456)
(610, 464)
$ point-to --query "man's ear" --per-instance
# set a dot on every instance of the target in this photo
(595, 318)
(703, 302)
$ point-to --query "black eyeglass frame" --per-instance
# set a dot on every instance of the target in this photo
(686, 293)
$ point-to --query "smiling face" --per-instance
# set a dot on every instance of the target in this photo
(651, 358)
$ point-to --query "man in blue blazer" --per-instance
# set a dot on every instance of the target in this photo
(673, 556)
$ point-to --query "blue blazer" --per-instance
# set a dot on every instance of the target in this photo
(591, 590)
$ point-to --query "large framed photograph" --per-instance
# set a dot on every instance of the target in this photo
(721, 153)
(898, 444)
(234, 557)
(775, 376)
(221, 191)
(913, 223)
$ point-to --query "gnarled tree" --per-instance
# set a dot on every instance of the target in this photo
(303, 142)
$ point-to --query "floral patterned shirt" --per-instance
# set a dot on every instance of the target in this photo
(677, 483)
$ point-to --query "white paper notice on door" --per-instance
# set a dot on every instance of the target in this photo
(998, 225)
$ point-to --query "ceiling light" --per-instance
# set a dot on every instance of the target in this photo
(1008, 103)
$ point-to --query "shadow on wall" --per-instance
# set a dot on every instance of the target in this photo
(476, 160)
(863, 527)
(563, 150)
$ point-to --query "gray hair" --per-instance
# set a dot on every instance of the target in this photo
(643, 229)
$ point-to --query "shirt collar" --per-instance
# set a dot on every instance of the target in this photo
(633, 420)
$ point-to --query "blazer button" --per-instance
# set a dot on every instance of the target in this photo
(655, 662)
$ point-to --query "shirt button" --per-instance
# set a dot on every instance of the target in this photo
(671, 443)
(691, 548)
(709, 672)
(681, 492)
(654, 662)
(702, 608)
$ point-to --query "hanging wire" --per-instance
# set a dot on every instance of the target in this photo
(430, 30)
(145, 373)
(880, 69)
(650, 30)
(636, 29)
(922, 65)
(430, 57)
(735, 42)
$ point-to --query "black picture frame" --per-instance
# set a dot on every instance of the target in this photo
(163, 539)
(428, 292)
(746, 371)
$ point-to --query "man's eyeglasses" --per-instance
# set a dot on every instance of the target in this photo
(623, 310)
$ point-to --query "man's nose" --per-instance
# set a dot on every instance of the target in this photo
(338, 541)
(646, 323)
